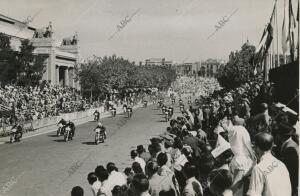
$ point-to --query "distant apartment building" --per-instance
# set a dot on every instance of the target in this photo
(184, 69)
(158, 62)
(210, 67)
(207, 68)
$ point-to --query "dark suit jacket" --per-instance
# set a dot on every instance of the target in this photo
(289, 155)
(194, 143)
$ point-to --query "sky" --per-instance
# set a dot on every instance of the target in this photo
(175, 29)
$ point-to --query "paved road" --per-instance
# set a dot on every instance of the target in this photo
(45, 165)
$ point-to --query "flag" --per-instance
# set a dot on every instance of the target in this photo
(292, 31)
(298, 31)
(288, 29)
(262, 41)
(266, 39)
(285, 30)
(265, 44)
(298, 12)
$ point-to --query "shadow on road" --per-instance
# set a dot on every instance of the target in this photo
(52, 135)
(88, 143)
(59, 140)
(161, 121)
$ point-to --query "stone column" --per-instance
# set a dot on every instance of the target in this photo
(66, 76)
(57, 75)
(46, 73)
(52, 66)
(71, 77)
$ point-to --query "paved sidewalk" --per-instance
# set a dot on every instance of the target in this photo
(52, 128)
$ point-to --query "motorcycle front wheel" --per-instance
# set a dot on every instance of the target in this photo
(97, 140)
(58, 132)
(66, 136)
(101, 139)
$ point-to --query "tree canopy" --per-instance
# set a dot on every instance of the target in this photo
(101, 75)
(239, 69)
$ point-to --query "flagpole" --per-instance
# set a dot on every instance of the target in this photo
(298, 29)
(289, 32)
(276, 21)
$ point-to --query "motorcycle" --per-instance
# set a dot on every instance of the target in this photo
(171, 112)
(113, 112)
(164, 109)
(181, 108)
(167, 116)
(173, 101)
(67, 135)
(145, 104)
(129, 113)
(159, 104)
(60, 130)
(99, 137)
(124, 109)
(96, 117)
(15, 136)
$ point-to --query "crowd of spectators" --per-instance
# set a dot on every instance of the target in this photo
(199, 87)
(26, 104)
(209, 150)
(37, 102)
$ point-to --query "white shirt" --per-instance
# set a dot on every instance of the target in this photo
(270, 177)
(191, 188)
(227, 192)
(105, 189)
(141, 162)
(116, 178)
(96, 187)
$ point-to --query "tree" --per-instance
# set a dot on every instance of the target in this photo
(23, 68)
(31, 67)
(8, 68)
(100, 76)
(239, 68)
(91, 79)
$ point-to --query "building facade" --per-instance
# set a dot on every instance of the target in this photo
(61, 61)
(210, 67)
(184, 69)
(158, 62)
(207, 68)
